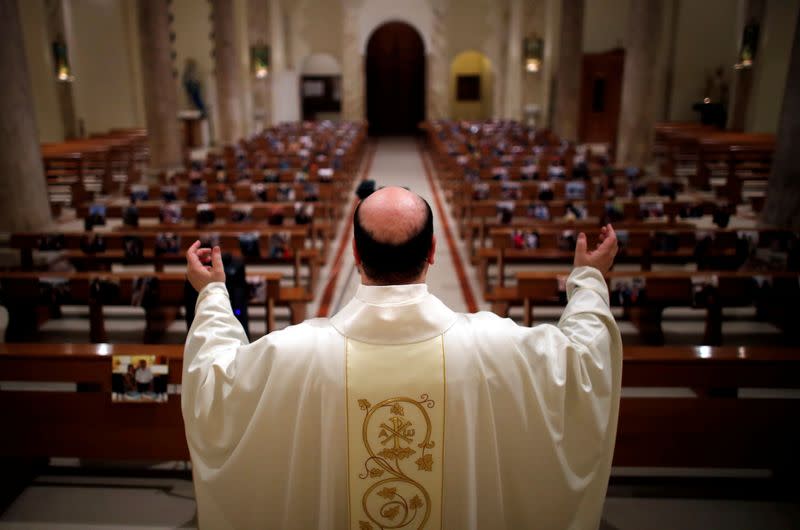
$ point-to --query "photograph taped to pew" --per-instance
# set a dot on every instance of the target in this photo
(623, 236)
(133, 248)
(546, 192)
(170, 214)
(500, 173)
(480, 191)
(649, 210)
(279, 245)
(511, 191)
(538, 211)
(92, 243)
(257, 288)
(249, 245)
(145, 292)
(242, 213)
(51, 242)
(139, 379)
(575, 212)
(702, 289)
(627, 291)
(505, 212)
(205, 214)
(55, 291)
(169, 193)
(525, 239)
(286, 193)
(167, 243)
(259, 192)
(303, 213)
(197, 191)
(575, 190)
(139, 192)
(567, 240)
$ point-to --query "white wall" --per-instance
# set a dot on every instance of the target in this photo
(99, 49)
(772, 65)
(41, 71)
(706, 38)
(316, 28)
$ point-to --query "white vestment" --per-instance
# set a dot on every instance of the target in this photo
(530, 416)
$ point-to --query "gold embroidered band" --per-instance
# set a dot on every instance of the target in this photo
(395, 433)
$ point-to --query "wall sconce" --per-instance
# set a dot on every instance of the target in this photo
(533, 51)
(259, 60)
(61, 62)
(749, 44)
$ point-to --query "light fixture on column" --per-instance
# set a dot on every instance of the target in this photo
(533, 51)
(61, 62)
(259, 60)
(749, 44)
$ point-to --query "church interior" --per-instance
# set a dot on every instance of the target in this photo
(131, 128)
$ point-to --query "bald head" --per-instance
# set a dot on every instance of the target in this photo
(393, 235)
(393, 215)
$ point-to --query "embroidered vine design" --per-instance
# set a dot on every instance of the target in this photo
(402, 499)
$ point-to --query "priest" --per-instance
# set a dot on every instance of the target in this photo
(399, 412)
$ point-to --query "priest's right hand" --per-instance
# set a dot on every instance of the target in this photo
(602, 258)
(198, 271)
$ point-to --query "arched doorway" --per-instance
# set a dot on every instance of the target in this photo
(395, 79)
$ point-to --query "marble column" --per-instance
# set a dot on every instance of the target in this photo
(753, 10)
(640, 90)
(570, 63)
(277, 36)
(534, 84)
(495, 46)
(160, 92)
(513, 98)
(258, 34)
(352, 64)
(57, 31)
(227, 73)
(783, 192)
(436, 100)
(24, 203)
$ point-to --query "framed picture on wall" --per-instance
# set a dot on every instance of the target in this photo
(468, 87)
(313, 88)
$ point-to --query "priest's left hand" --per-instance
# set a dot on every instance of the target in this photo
(198, 271)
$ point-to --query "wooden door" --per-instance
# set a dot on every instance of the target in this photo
(395, 79)
(601, 93)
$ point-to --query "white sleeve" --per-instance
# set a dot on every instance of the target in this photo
(576, 367)
(223, 377)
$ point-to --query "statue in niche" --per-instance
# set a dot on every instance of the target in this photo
(713, 108)
(717, 87)
(193, 86)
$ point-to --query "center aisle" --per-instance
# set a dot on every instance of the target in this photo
(397, 162)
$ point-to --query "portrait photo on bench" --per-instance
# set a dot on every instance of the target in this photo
(139, 379)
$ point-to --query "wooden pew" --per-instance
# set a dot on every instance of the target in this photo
(320, 228)
(715, 429)
(667, 289)
(711, 429)
(299, 256)
(29, 307)
(645, 246)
